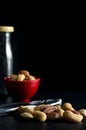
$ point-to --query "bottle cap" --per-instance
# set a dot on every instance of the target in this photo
(6, 29)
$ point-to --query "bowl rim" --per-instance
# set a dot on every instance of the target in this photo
(8, 80)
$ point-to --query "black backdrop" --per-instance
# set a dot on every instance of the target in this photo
(82, 8)
(47, 42)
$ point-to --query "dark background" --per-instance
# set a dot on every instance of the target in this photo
(82, 7)
(48, 42)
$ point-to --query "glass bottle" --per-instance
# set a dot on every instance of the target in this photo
(6, 55)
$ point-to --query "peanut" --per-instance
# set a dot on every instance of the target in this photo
(48, 108)
(29, 110)
(53, 115)
(59, 106)
(72, 117)
(41, 116)
(60, 111)
(21, 77)
(67, 106)
(31, 77)
(38, 107)
(82, 112)
(26, 115)
(25, 72)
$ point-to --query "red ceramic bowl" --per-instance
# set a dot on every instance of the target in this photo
(22, 91)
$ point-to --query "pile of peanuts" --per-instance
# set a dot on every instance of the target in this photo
(50, 112)
(22, 75)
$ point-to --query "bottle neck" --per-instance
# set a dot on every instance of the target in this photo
(5, 37)
(6, 51)
(8, 46)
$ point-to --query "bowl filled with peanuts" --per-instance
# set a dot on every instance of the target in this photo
(22, 86)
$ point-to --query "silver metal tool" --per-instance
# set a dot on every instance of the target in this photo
(6, 109)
